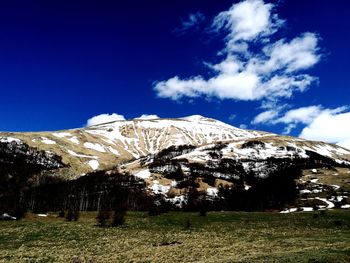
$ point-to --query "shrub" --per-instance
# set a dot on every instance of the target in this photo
(203, 212)
(154, 211)
(203, 208)
(338, 223)
(72, 215)
(76, 215)
(119, 217)
(19, 213)
(188, 224)
(337, 204)
(61, 214)
(103, 217)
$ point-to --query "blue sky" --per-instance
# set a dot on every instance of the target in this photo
(280, 66)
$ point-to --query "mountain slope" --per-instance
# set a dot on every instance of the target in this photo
(106, 145)
(178, 156)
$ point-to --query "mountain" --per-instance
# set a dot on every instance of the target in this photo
(174, 155)
(106, 145)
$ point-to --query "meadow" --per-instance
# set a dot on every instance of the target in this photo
(181, 237)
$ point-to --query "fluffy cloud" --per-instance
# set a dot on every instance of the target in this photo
(247, 20)
(265, 116)
(329, 126)
(300, 115)
(345, 143)
(148, 117)
(232, 117)
(304, 115)
(322, 124)
(270, 72)
(104, 118)
(192, 21)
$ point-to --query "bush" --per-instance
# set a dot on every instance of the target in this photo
(119, 217)
(19, 213)
(72, 215)
(203, 208)
(338, 223)
(337, 204)
(202, 212)
(154, 211)
(103, 217)
(76, 215)
(188, 224)
(61, 214)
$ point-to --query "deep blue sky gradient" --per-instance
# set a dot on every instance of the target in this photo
(62, 62)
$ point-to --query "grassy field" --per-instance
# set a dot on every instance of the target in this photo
(218, 237)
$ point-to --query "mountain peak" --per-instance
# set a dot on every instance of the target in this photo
(198, 118)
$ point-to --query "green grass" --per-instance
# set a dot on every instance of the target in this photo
(219, 237)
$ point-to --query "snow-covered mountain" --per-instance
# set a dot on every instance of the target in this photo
(168, 153)
(106, 145)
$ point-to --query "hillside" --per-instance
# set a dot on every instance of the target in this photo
(174, 156)
(104, 146)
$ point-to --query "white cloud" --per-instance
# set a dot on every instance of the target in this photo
(298, 54)
(265, 117)
(104, 118)
(192, 21)
(247, 20)
(243, 126)
(322, 124)
(148, 117)
(303, 115)
(345, 143)
(268, 74)
(232, 117)
(329, 126)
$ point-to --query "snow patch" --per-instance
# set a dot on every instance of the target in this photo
(42, 215)
(177, 200)
(289, 210)
(94, 146)
(47, 141)
(212, 191)
(61, 134)
(336, 187)
(144, 174)
(158, 188)
(74, 140)
(81, 155)
(114, 151)
(94, 164)
(9, 139)
(329, 204)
